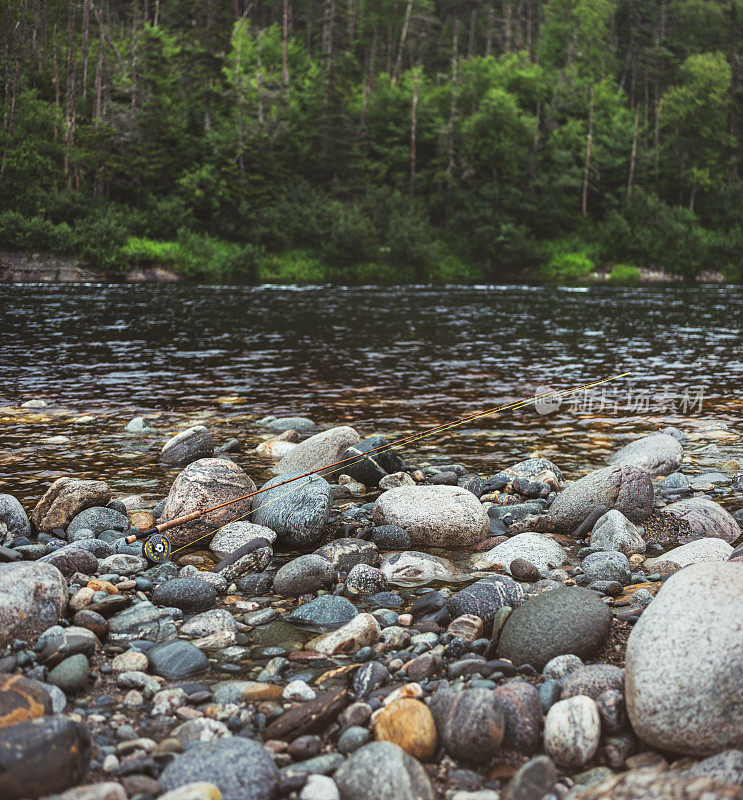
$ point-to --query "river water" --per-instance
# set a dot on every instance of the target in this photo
(385, 360)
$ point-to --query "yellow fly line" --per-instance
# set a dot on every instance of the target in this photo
(406, 440)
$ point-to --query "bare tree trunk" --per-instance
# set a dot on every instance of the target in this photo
(135, 22)
(369, 82)
(471, 39)
(85, 44)
(285, 45)
(156, 17)
(327, 33)
(259, 78)
(453, 108)
(413, 126)
(403, 36)
(71, 93)
(56, 74)
(239, 86)
(633, 156)
(586, 171)
(98, 83)
(508, 11)
(535, 144)
(656, 137)
(489, 34)
(353, 7)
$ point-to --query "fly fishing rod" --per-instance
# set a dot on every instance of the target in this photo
(157, 547)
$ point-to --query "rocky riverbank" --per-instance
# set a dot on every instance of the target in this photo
(387, 629)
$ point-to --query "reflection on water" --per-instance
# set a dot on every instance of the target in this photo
(388, 360)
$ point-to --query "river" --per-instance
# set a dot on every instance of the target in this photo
(385, 360)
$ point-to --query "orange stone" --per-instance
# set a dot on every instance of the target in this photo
(103, 586)
(409, 724)
(142, 520)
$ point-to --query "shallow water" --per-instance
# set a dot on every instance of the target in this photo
(390, 360)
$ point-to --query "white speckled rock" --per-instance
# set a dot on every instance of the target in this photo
(698, 551)
(628, 489)
(657, 453)
(233, 536)
(361, 631)
(33, 597)
(572, 730)
(317, 451)
(203, 484)
(65, 499)
(542, 551)
(683, 682)
(434, 516)
(614, 531)
(706, 518)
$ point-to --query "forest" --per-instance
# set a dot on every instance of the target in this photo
(375, 140)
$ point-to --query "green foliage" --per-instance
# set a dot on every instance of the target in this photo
(204, 140)
(566, 265)
(624, 274)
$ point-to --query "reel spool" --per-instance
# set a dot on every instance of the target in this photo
(156, 549)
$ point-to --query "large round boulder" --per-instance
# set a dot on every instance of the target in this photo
(64, 499)
(297, 511)
(683, 682)
(706, 518)
(188, 446)
(33, 597)
(434, 516)
(568, 620)
(318, 451)
(657, 453)
(199, 486)
(628, 489)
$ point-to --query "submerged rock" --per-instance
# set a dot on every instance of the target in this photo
(188, 446)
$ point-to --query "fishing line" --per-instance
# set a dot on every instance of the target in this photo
(158, 530)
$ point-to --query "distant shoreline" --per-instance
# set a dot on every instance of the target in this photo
(20, 267)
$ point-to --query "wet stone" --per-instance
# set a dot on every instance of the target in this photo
(325, 613)
(177, 660)
(188, 594)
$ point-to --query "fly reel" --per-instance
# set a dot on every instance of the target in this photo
(156, 549)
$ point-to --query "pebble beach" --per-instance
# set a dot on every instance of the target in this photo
(386, 629)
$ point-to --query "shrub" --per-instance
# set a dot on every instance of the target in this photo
(624, 273)
(35, 233)
(570, 266)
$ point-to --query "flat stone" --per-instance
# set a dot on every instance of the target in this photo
(177, 660)
(696, 552)
(541, 550)
(361, 631)
(141, 621)
(233, 536)
(325, 613)
(319, 450)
